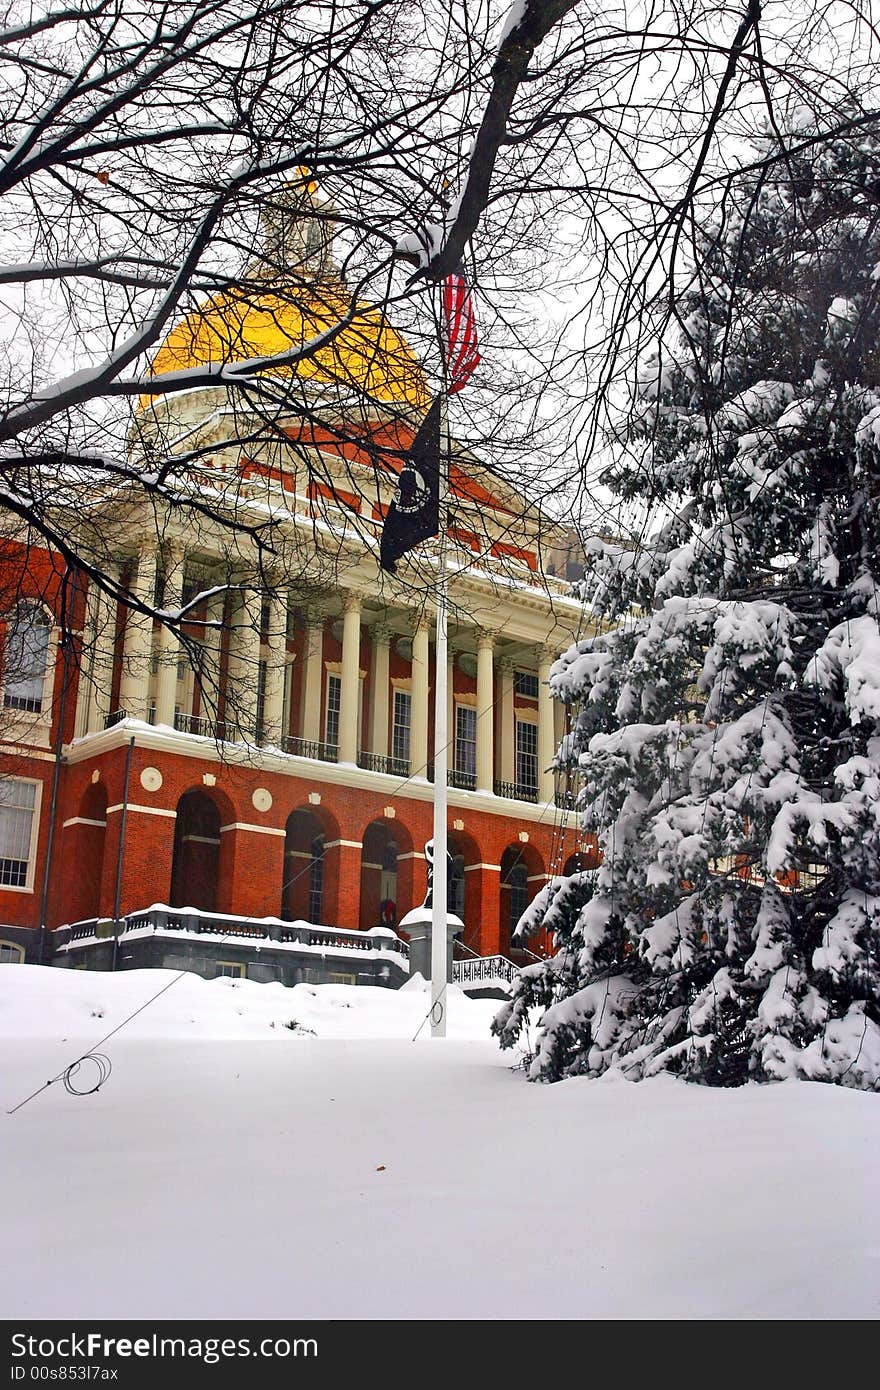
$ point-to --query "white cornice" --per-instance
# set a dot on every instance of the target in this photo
(169, 741)
(17, 750)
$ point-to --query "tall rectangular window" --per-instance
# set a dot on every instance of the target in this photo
(17, 803)
(526, 757)
(466, 745)
(525, 683)
(400, 726)
(334, 701)
(25, 658)
(455, 894)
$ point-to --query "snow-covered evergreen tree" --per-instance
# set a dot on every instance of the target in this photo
(726, 724)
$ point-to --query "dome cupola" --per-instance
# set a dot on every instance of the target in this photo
(292, 295)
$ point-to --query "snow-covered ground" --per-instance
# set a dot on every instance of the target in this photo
(234, 1167)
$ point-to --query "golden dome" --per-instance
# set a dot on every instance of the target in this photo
(278, 312)
(367, 355)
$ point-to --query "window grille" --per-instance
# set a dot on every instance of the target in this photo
(316, 880)
(517, 881)
(401, 724)
(334, 700)
(455, 887)
(27, 651)
(230, 970)
(525, 683)
(526, 756)
(466, 742)
(17, 802)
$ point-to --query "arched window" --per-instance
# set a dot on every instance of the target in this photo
(519, 893)
(309, 868)
(11, 953)
(389, 858)
(388, 883)
(455, 889)
(24, 661)
(316, 880)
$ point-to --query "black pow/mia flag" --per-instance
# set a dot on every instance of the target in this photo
(414, 514)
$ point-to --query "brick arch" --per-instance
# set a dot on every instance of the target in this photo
(83, 845)
(376, 838)
(523, 873)
(464, 846)
(214, 865)
(226, 807)
(321, 815)
(199, 865)
(304, 879)
(580, 861)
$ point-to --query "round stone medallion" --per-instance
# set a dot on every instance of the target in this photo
(262, 799)
(151, 779)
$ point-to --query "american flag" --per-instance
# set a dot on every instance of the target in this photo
(462, 357)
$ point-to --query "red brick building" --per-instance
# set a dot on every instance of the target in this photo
(285, 774)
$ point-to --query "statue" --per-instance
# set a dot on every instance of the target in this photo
(429, 857)
(417, 923)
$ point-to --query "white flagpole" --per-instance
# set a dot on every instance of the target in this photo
(441, 739)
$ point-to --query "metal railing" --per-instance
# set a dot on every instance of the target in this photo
(196, 724)
(380, 762)
(310, 748)
(566, 798)
(516, 791)
(116, 716)
(470, 972)
(464, 781)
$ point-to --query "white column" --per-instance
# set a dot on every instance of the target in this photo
(350, 692)
(506, 722)
(84, 684)
(244, 665)
(209, 681)
(138, 650)
(485, 721)
(167, 646)
(418, 738)
(380, 686)
(275, 655)
(450, 709)
(102, 623)
(313, 666)
(558, 721)
(546, 731)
